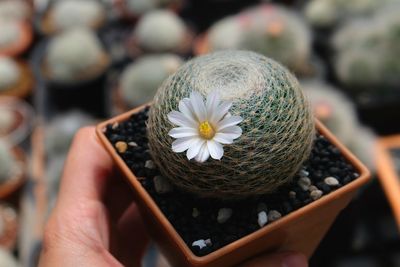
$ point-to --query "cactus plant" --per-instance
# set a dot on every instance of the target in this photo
(9, 33)
(67, 61)
(62, 129)
(7, 120)
(366, 51)
(14, 9)
(141, 79)
(8, 163)
(160, 31)
(140, 7)
(7, 259)
(333, 108)
(226, 33)
(9, 73)
(67, 14)
(364, 146)
(277, 127)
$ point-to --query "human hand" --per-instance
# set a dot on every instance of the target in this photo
(95, 221)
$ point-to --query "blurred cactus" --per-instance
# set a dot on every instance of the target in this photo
(160, 31)
(9, 73)
(62, 129)
(140, 80)
(225, 34)
(339, 115)
(73, 55)
(14, 9)
(140, 7)
(7, 259)
(7, 120)
(367, 51)
(67, 14)
(8, 164)
(9, 33)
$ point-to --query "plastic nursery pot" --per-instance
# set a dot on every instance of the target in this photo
(22, 44)
(286, 234)
(10, 189)
(388, 170)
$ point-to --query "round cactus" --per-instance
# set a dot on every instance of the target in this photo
(9, 73)
(7, 259)
(225, 34)
(73, 55)
(140, 80)
(9, 33)
(364, 147)
(14, 9)
(277, 128)
(160, 31)
(7, 120)
(76, 13)
(8, 163)
(333, 108)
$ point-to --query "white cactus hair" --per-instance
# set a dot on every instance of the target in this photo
(10, 73)
(160, 31)
(72, 53)
(140, 80)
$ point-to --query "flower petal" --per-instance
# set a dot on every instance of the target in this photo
(195, 148)
(233, 131)
(199, 108)
(179, 119)
(203, 154)
(219, 112)
(215, 149)
(186, 109)
(212, 102)
(183, 132)
(227, 122)
(223, 138)
(181, 144)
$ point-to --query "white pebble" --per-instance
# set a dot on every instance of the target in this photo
(208, 242)
(292, 194)
(149, 164)
(195, 213)
(274, 215)
(304, 183)
(312, 188)
(162, 185)
(224, 214)
(200, 243)
(262, 218)
(133, 144)
(304, 173)
(331, 181)
(316, 194)
(115, 125)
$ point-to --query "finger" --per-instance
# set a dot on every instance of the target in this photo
(132, 238)
(282, 259)
(86, 171)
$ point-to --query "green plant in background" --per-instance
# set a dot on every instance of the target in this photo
(8, 163)
(140, 80)
(226, 33)
(9, 73)
(7, 259)
(73, 54)
(160, 31)
(9, 33)
(76, 13)
(140, 7)
(367, 51)
(339, 115)
(14, 9)
(277, 128)
(61, 131)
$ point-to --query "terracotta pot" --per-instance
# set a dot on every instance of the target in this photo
(387, 174)
(23, 43)
(301, 230)
(12, 185)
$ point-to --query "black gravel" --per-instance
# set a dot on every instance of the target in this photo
(178, 206)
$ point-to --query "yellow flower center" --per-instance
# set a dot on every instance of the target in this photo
(206, 130)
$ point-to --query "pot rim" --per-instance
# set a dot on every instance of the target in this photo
(281, 223)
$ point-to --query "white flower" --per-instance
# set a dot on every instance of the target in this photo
(203, 128)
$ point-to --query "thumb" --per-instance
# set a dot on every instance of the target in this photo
(281, 259)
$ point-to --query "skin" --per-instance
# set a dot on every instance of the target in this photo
(96, 221)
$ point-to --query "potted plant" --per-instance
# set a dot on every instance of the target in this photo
(269, 29)
(258, 172)
(160, 31)
(17, 78)
(66, 14)
(136, 87)
(73, 74)
(15, 37)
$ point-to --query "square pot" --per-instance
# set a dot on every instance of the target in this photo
(388, 174)
(300, 230)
